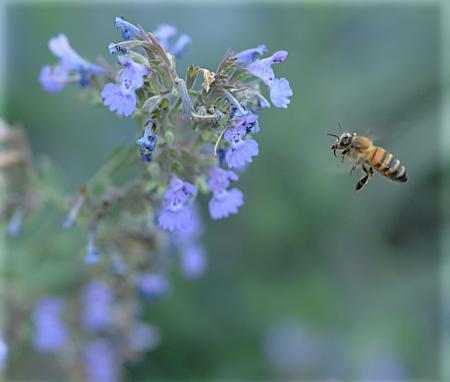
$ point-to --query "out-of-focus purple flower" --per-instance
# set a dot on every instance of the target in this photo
(153, 284)
(181, 45)
(15, 223)
(385, 367)
(53, 78)
(50, 334)
(263, 68)
(126, 28)
(143, 337)
(121, 97)
(147, 144)
(240, 151)
(92, 252)
(3, 353)
(224, 202)
(101, 361)
(249, 55)
(280, 91)
(97, 306)
(175, 213)
(193, 261)
(164, 33)
(293, 351)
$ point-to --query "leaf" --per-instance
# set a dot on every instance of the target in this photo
(152, 103)
(191, 75)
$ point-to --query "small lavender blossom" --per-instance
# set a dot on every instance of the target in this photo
(143, 337)
(3, 353)
(249, 55)
(263, 68)
(249, 121)
(118, 99)
(101, 361)
(50, 334)
(121, 97)
(147, 144)
(176, 213)
(127, 28)
(153, 284)
(193, 261)
(240, 151)
(97, 306)
(280, 91)
(53, 78)
(224, 202)
(92, 252)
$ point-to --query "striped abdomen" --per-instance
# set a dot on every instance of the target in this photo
(387, 165)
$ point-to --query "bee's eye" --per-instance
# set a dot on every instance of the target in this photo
(345, 141)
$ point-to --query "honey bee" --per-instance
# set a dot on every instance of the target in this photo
(365, 154)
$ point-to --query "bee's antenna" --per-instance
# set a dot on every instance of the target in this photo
(340, 127)
(333, 135)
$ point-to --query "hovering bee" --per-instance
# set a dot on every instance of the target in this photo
(362, 150)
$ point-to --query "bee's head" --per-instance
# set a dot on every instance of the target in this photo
(342, 141)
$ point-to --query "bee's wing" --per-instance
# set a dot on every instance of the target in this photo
(381, 131)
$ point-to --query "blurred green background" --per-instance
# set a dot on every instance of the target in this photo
(309, 281)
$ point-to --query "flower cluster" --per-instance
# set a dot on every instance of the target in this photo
(222, 115)
(195, 132)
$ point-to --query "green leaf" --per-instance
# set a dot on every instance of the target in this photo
(152, 103)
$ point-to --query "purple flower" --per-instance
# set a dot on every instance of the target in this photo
(193, 261)
(224, 202)
(121, 97)
(92, 252)
(143, 337)
(249, 55)
(61, 48)
(263, 68)
(50, 334)
(127, 28)
(280, 91)
(97, 306)
(249, 121)
(164, 33)
(175, 213)
(118, 99)
(153, 284)
(181, 45)
(240, 151)
(3, 353)
(53, 78)
(101, 361)
(147, 144)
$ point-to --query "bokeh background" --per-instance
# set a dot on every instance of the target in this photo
(310, 281)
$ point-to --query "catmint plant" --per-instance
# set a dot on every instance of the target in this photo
(195, 132)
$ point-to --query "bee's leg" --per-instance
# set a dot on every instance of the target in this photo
(365, 179)
(343, 154)
(355, 164)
